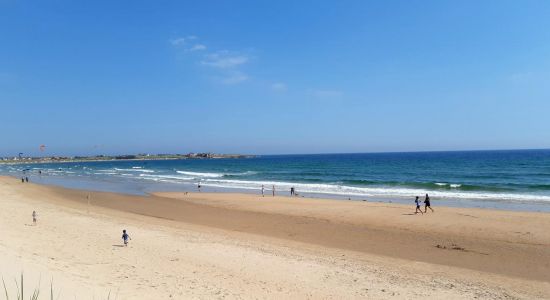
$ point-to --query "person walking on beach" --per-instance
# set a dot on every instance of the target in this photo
(273, 190)
(262, 190)
(418, 209)
(27, 179)
(125, 237)
(34, 215)
(292, 191)
(22, 180)
(199, 186)
(427, 204)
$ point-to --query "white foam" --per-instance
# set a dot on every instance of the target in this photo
(383, 192)
(199, 174)
(172, 177)
(136, 170)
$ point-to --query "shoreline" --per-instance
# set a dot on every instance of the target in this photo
(494, 247)
(145, 188)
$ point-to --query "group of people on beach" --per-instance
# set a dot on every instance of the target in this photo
(427, 205)
(24, 179)
(292, 191)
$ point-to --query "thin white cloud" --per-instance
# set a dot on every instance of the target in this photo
(198, 47)
(234, 78)
(178, 41)
(279, 87)
(225, 63)
(224, 60)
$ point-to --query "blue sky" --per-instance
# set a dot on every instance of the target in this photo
(269, 77)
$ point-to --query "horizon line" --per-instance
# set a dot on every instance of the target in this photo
(289, 154)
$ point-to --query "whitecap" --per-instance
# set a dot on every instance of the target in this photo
(199, 174)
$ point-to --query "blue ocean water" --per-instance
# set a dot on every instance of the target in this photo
(518, 180)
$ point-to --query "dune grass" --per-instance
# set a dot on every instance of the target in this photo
(20, 290)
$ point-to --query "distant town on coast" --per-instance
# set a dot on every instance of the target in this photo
(142, 156)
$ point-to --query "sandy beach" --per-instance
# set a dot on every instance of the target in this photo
(242, 246)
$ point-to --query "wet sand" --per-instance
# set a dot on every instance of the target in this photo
(223, 245)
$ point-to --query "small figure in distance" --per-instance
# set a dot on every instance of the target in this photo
(427, 204)
(273, 190)
(22, 180)
(34, 215)
(418, 209)
(262, 190)
(292, 191)
(26, 179)
(125, 237)
(199, 186)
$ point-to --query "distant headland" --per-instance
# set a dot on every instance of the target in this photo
(142, 156)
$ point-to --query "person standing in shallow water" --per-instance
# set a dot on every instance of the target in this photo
(418, 209)
(273, 190)
(262, 190)
(427, 204)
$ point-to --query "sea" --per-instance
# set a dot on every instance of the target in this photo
(509, 180)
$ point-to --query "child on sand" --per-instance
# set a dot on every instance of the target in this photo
(417, 201)
(34, 217)
(125, 237)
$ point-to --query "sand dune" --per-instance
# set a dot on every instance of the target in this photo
(204, 246)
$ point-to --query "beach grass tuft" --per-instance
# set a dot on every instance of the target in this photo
(36, 293)
(20, 289)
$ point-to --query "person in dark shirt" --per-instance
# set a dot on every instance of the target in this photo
(427, 204)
